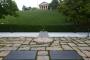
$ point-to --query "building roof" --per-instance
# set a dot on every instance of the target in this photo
(43, 3)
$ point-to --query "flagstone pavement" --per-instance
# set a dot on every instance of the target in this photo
(81, 45)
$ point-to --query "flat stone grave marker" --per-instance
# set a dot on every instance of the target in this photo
(21, 55)
(65, 55)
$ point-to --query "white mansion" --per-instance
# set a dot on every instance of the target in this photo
(44, 6)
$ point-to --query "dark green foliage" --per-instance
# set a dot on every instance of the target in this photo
(35, 17)
(24, 8)
(37, 28)
(8, 7)
(54, 4)
(78, 11)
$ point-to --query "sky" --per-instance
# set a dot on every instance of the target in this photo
(31, 3)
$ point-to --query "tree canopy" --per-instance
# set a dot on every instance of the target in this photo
(54, 4)
(7, 7)
(78, 11)
(24, 8)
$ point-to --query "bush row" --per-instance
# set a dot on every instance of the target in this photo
(37, 28)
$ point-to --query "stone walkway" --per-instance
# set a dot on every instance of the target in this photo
(81, 45)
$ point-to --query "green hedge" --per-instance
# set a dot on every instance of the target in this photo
(37, 28)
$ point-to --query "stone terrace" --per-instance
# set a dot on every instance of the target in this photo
(81, 45)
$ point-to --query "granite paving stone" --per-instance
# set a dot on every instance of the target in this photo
(85, 45)
(72, 44)
(42, 53)
(88, 41)
(38, 48)
(33, 43)
(84, 48)
(26, 42)
(81, 45)
(87, 53)
(86, 58)
(66, 47)
(1, 58)
(4, 53)
(54, 48)
(8, 48)
(24, 47)
(42, 57)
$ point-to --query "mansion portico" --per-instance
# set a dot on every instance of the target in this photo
(43, 6)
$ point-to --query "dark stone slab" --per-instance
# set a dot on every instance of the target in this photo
(21, 55)
(65, 55)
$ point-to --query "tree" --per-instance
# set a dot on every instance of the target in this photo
(24, 8)
(54, 4)
(78, 11)
(8, 7)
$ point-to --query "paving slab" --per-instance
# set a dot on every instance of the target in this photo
(1, 58)
(4, 53)
(72, 44)
(8, 48)
(85, 45)
(21, 55)
(66, 47)
(54, 48)
(65, 55)
(38, 48)
(24, 47)
(42, 57)
(42, 53)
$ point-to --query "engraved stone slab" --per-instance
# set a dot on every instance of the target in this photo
(65, 55)
(21, 55)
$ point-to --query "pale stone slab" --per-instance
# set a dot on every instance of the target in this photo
(4, 53)
(42, 57)
(63, 43)
(66, 47)
(62, 38)
(55, 44)
(16, 45)
(38, 48)
(86, 58)
(84, 48)
(75, 48)
(28, 38)
(82, 45)
(72, 44)
(43, 40)
(24, 47)
(8, 48)
(32, 43)
(81, 42)
(42, 53)
(1, 58)
(54, 48)
(26, 42)
(87, 53)
(75, 42)
(88, 41)
(82, 54)
(41, 45)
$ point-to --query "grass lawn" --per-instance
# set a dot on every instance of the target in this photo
(35, 17)
(37, 20)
